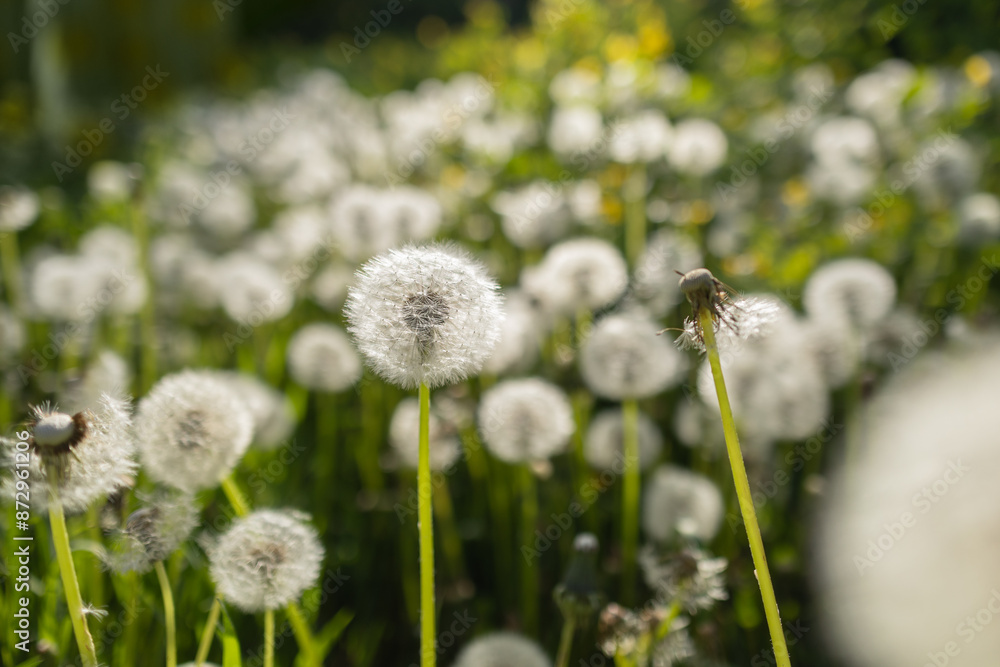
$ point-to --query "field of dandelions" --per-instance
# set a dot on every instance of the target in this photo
(226, 356)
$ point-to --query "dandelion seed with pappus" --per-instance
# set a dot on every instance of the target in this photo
(711, 309)
(192, 429)
(424, 317)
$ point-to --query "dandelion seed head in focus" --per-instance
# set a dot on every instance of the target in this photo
(502, 649)
(425, 314)
(525, 420)
(192, 429)
(266, 560)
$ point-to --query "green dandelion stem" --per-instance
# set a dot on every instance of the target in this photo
(269, 638)
(236, 498)
(529, 572)
(206, 635)
(428, 653)
(10, 257)
(743, 493)
(64, 556)
(303, 635)
(630, 497)
(168, 613)
(566, 641)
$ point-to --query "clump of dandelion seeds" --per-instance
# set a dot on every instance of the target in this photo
(502, 649)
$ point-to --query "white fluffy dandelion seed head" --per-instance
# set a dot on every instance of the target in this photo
(266, 560)
(520, 334)
(11, 334)
(677, 501)
(624, 358)
(525, 420)
(99, 459)
(699, 147)
(412, 214)
(914, 519)
(359, 224)
(835, 348)
(574, 129)
(533, 215)
(151, 533)
(425, 314)
(604, 449)
(404, 436)
(192, 429)
(111, 181)
(691, 577)
(107, 374)
(642, 137)
(979, 218)
(321, 357)
(502, 649)
(585, 273)
(856, 292)
(272, 411)
(19, 207)
(251, 290)
(329, 286)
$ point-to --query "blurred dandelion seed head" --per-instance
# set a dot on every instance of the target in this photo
(502, 649)
(525, 420)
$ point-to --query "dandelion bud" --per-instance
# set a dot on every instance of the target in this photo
(502, 649)
(579, 593)
(680, 502)
(624, 358)
(321, 357)
(525, 420)
(427, 314)
(266, 560)
(192, 429)
(604, 445)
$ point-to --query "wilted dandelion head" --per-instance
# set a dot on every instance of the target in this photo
(427, 314)
(90, 454)
(604, 445)
(502, 649)
(585, 273)
(266, 560)
(690, 576)
(192, 428)
(525, 420)
(856, 292)
(907, 545)
(626, 633)
(321, 357)
(404, 436)
(679, 502)
(624, 358)
(152, 533)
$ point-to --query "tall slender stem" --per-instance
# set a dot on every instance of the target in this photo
(64, 556)
(566, 641)
(206, 635)
(635, 213)
(168, 613)
(235, 496)
(428, 633)
(744, 495)
(11, 262)
(630, 498)
(269, 638)
(529, 571)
